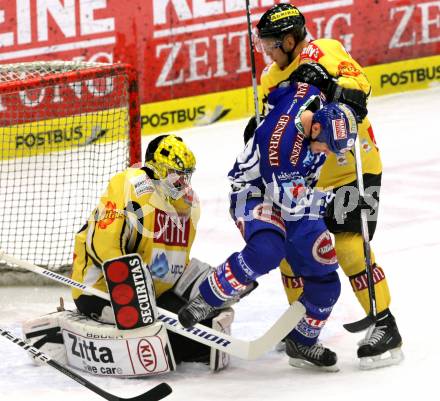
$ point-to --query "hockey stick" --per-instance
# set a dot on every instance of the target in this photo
(369, 320)
(212, 338)
(155, 394)
(253, 68)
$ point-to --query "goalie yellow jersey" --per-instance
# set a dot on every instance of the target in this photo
(338, 170)
(132, 217)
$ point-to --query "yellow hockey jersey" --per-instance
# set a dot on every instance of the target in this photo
(132, 217)
(338, 170)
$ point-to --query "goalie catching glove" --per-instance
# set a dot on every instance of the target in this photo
(315, 74)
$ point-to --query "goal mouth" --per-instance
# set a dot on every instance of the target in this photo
(65, 129)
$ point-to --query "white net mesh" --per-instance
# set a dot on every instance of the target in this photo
(62, 136)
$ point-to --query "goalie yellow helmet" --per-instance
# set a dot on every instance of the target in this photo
(172, 162)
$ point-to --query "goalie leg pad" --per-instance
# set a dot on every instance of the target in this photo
(44, 333)
(220, 360)
(131, 290)
(96, 308)
(102, 349)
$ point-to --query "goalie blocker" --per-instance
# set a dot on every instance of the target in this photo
(139, 345)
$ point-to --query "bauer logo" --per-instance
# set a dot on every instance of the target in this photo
(147, 355)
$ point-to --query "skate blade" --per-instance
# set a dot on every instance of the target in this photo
(302, 364)
(389, 358)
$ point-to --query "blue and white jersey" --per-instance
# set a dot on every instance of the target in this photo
(277, 162)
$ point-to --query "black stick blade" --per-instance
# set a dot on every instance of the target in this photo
(360, 325)
(155, 394)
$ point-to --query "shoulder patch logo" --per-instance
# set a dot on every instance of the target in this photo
(109, 215)
(311, 53)
(142, 185)
(347, 69)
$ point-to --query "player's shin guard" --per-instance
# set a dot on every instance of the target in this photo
(236, 277)
(293, 285)
(222, 285)
(359, 283)
(320, 294)
(350, 251)
(302, 346)
(219, 360)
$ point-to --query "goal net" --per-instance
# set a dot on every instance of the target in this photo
(65, 129)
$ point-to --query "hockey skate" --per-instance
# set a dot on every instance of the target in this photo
(198, 309)
(315, 356)
(195, 311)
(382, 344)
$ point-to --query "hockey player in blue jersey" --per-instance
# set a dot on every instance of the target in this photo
(279, 211)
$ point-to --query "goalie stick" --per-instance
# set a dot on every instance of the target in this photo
(155, 394)
(369, 320)
(212, 338)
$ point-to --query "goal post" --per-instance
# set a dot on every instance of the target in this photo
(65, 129)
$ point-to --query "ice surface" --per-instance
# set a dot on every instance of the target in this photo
(407, 246)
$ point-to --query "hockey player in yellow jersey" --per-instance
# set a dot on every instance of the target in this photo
(152, 211)
(281, 35)
(141, 213)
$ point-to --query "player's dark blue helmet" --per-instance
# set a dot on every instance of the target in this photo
(338, 127)
(280, 20)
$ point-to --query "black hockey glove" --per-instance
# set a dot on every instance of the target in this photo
(315, 74)
(250, 128)
(354, 98)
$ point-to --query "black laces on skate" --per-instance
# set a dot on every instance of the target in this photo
(376, 336)
(314, 351)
